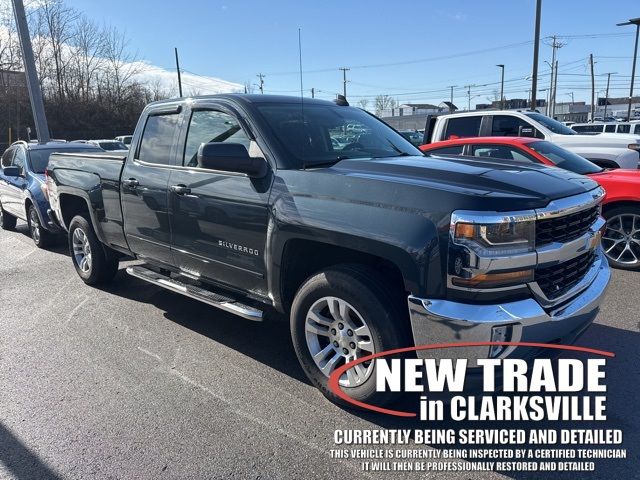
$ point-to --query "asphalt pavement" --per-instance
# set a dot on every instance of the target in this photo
(132, 381)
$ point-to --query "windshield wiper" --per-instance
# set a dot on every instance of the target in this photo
(327, 163)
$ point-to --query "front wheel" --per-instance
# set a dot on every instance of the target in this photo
(41, 237)
(621, 239)
(340, 315)
(92, 263)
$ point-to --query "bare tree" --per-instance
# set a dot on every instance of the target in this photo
(249, 87)
(363, 103)
(384, 102)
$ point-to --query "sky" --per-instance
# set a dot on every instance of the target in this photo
(410, 50)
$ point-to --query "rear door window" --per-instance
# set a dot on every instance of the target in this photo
(507, 126)
(158, 139)
(461, 127)
(610, 128)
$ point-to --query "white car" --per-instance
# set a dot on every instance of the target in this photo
(113, 146)
(126, 139)
(596, 128)
(608, 150)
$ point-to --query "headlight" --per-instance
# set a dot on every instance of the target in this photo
(491, 250)
(634, 146)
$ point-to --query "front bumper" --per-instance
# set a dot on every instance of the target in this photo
(444, 321)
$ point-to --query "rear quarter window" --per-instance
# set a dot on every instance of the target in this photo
(462, 127)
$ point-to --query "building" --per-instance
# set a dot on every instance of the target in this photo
(617, 107)
(572, 112)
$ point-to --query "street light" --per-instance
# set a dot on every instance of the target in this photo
(501, 87)
(636, 22)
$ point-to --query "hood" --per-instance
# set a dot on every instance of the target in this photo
(618, 175)
(526, 186)
(619, 140)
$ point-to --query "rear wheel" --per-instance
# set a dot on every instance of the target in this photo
(340, 315)
(41, 237)
(621, 239)
(93, 263)
(7, 221)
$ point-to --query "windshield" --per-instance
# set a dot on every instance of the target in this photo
(332, 133)
(551, 124)
(112, 146)
(564, 158)
(39, 158)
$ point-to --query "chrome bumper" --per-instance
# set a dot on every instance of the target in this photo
(444, 321)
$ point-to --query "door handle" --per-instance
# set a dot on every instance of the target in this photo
(131, 182)
(180, 189)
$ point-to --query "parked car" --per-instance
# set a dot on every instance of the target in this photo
(126, 139)
(22, 193)
(413, 136)
(607, 150)
(109, 145)
(621, 209)
(602, 127)
(241, 202)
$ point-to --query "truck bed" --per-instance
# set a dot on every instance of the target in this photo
(95, 177)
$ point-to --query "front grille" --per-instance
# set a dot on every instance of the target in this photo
(565, 228)
(556, 280)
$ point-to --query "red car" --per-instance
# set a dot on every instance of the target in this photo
(621, 209)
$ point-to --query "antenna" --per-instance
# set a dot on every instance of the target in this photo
(300, 59)
(302, 138)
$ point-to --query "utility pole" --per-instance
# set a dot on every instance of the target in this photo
(636, 22)
(452, 87)
(555, 45)
(606, 94)
(261, 85)
(35, 94)
(344, 80)
(593, 89)
(501, 87)
(536, 48)
(555, 89)
(178, 69)
(313, 92)
(468, 87)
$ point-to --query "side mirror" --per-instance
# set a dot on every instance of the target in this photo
(11, 171)
(230, 157)
(524, 131)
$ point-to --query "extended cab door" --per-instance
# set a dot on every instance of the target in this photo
(218, 219)
(143, 187)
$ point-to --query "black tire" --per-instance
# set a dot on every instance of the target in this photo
(103, 265)
(365, 290)
(41, 237)
(612, 216)
(7, 221)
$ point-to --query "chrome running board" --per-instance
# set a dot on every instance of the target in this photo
(210, 298)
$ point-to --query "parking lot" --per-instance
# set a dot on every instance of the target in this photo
(132, 381)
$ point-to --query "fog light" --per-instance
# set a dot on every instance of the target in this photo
(499, 334)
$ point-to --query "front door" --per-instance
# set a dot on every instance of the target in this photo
(13, 199)
(218, 220)
(144, 189)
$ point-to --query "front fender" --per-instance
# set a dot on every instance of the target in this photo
(408, 240)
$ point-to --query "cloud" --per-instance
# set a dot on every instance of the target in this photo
(152, 75)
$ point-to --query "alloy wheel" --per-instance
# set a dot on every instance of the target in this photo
(621, 239)
(81, 250)
(34, 225)
(337, 334)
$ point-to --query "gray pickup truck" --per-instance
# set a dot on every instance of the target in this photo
(246, 203)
